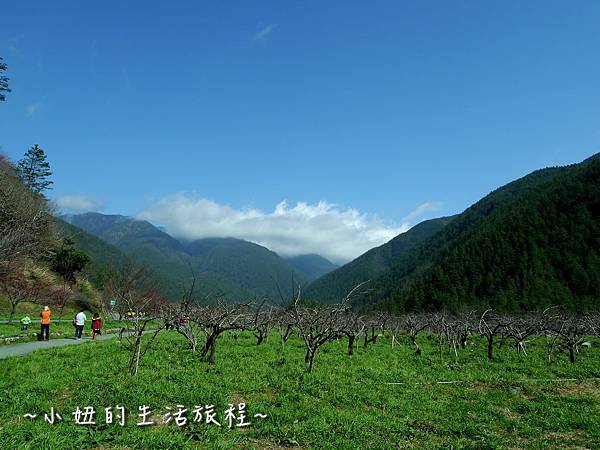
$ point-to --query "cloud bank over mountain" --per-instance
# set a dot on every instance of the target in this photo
(78, 203)
(339, 234)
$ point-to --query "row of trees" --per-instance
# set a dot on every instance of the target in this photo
(30, 250)
(35, 264)
(201, 323)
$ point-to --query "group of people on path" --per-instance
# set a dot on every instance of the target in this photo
(78, 322)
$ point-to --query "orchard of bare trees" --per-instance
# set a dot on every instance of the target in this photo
(202, 322)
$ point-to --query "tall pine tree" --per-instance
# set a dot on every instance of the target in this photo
(3, 81)
(34, 170)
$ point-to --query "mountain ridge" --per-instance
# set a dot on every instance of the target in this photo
(223, 266)
(474, 261)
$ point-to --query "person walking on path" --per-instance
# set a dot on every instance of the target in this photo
(96, 325)
(80, 319)
(25, 322)
(45, 331)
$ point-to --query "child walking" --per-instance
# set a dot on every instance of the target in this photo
(25, 322)
(96, 325)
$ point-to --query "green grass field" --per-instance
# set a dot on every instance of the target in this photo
(344, 403)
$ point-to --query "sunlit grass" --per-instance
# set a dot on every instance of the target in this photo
(345, 403)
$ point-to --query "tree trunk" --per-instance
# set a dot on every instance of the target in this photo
(373, 337)
(13, 310)
(571, 354)
(213, 352)
(351, 340)
(307, 356)
(208, 344)
(417, 349)
(134, 362)
(282, 344)
(311, 357)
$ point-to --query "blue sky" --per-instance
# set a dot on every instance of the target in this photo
(375, 109)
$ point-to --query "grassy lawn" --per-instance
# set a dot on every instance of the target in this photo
(345, 403)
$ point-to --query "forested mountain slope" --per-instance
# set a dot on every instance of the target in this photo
(311, 266)
(530, 243)
(227, 267)
(103, 256)
(335, 285)
(533, 243)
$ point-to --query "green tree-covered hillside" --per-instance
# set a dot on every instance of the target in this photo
(531, 243)
(230, 267)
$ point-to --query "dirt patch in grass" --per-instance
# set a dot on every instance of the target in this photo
(103, 447)
(63, 395)
(578, 389)
(270, 394)
(421, 426)
(510, 414)
(235, 398)
(266, 444)
(568, 439)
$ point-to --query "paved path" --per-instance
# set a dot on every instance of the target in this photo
(18, 321)
(7, 351)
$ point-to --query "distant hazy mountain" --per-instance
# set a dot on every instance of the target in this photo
(531, 243)
(311, 266)
(223, 266)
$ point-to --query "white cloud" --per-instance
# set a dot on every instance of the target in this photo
(339, 234)
(33, 108)
(78, 203)
(421, 210)
(264, 33)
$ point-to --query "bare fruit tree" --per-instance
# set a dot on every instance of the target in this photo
(134, 289)
(571, 329)
(285, 325)
(317, 325)
(263, 320)
(492, 325)
(217, 319)
(376, 325)
(414, 324)
(183, 317)
(523, 327)
(352, 326)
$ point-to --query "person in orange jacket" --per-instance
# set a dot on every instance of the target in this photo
(45, 331)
